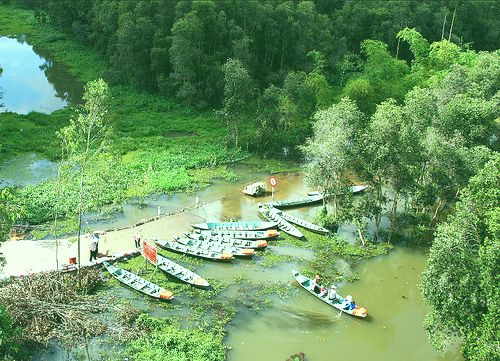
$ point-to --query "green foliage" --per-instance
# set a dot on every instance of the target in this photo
(165, 340)
(237, 94)
(331, 152)
(460, 282)
(9, 212)
(9, 336)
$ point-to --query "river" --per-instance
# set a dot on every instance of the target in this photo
(388, 288)
(31, 81)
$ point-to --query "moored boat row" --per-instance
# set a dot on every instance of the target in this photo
(283, 224)
(219, 248)
(193, 251)
(231, 242)
(299, 221)
(267, 234)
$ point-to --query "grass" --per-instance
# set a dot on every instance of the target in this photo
(159, 146)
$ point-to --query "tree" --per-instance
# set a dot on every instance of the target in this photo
(388, 150)
(9, 333)
(85, 137)
(460, 282)
(331, 151)
(185, 56)
(238, 89)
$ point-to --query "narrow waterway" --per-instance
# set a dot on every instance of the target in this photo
(31, 81)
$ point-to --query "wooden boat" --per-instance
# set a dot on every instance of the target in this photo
(228, 241)
(270, 233)
(312, 197)
(181, 273)
(216, 247)
(339, 304)
(236, 226)
(196, 252)
(299, 221)
(283, 224)
(256, 189)
(358, 189)
(138, 283)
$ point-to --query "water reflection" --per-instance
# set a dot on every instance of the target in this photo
(30, 81)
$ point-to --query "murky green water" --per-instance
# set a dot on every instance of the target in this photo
(32, 82)
(26, 169)
(393, 331)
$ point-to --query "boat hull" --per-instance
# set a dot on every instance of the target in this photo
(305, 282)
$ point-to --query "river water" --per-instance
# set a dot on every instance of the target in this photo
(31, 81)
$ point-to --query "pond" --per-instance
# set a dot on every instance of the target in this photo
(31, 81)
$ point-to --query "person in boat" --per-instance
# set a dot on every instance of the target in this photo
(137, 239)
(315, 285)
(332, 294)
(349, 303)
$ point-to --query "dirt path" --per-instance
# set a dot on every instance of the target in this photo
(24, 256)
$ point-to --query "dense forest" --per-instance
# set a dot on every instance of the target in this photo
(401, 96)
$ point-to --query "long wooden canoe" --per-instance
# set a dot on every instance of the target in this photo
(312, 197)
(299, 221)
(228, 241)
(340, 303)
(181, 273)
(358, 189)
(196, 252)
(283, 224)
(216, 247)
(270, 233)
(138, 283)
(236, 226)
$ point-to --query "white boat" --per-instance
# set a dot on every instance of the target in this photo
(358, 189)
(256, 189)
(299, 221)
(179, 272)
(283, 224)
(138, 283)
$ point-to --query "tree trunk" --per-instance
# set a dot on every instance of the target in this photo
(361, 238)
(452, 21)
(58, 197)
(378, 215)
(86, 346)
(438, 208)
(444, 24)
(80, 211)
(393, 215)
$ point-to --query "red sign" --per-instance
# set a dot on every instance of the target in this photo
(149, 252)
(273, 181)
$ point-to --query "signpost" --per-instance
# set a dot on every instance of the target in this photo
(273, 182)
(150, 253)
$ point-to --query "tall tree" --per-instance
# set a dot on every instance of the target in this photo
(238, 89)
(331, 151)
(86, 137)
(461, 280)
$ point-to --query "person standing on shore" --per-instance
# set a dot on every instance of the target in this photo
(93, 248)
(137, 239)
